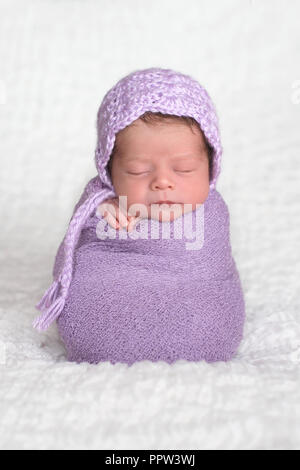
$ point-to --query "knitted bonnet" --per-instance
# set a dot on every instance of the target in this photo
(152, 89)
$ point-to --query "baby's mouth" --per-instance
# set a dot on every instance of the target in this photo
(165, 202)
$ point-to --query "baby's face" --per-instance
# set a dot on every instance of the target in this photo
(164, 162)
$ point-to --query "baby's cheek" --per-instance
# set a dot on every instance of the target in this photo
(137, 194)
(204, 194)
(200, 190)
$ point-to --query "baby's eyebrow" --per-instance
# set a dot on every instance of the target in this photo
(140, 159)
(181, 157)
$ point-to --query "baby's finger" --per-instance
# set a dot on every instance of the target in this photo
(122, 218)
(133, 222)
(102, 210)
(111, 220)
(116, 216)
(106, 205)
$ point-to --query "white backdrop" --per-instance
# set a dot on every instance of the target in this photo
(57, 60)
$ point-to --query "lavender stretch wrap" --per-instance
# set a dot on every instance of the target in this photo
(134, 299)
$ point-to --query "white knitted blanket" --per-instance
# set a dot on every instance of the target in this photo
(52, 81)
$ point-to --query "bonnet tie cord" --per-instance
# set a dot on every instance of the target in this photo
(52, 303)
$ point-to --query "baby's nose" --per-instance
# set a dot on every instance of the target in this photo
(162, 182)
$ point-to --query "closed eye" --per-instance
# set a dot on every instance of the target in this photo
(145, 172)
(141, 173)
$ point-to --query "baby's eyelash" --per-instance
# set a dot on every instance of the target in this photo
(184, 171)
(144, 172)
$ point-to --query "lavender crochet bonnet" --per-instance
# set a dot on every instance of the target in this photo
(153, 89)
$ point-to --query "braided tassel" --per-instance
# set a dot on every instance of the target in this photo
(49, 296)
(46, 318)
(51, 304)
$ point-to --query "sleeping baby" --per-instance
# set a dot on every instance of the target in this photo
(145, 270)
(158, 159)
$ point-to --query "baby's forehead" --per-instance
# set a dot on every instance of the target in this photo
(128, 155)
(189, 140)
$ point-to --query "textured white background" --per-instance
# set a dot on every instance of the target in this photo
(57, 60)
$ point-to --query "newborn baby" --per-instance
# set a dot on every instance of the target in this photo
(129, 284)
(158, 160)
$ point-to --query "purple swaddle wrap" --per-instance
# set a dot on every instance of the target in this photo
(134, 299)
(135, 296)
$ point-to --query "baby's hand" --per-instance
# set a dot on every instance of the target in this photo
(109, 210)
